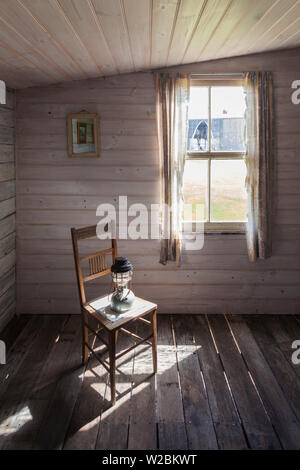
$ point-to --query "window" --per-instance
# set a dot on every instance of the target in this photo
(215, 171)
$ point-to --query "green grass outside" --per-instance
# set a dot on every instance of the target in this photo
(224, 209)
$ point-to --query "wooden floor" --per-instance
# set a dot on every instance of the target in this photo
(223, 383)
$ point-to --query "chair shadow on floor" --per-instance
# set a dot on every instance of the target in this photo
(68, 406)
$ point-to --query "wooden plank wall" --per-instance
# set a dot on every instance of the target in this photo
(7, 209)
(56, 192)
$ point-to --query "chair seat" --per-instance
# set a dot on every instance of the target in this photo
(100, 308)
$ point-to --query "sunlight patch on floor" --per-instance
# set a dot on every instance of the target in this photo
(20, 417)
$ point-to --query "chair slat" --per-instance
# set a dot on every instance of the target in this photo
(97, 253)
(97, 264)
(94, 276)
(88, 232)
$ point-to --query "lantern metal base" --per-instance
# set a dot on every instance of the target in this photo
(120, 304)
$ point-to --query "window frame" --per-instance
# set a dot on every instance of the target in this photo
(210, 81)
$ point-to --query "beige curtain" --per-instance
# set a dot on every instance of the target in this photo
(172, 95)
(259, 162)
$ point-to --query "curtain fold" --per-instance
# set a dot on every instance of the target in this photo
(172, 96)
(259, 163)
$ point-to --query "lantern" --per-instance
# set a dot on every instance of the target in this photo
(122, 298)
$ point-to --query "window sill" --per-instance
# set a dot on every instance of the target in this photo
(187, 235)
(225, 232)
(217, 228)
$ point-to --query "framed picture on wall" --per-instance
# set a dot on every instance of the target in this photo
(83, 135)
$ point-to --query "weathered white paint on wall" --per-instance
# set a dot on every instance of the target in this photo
(7, 209)
(2, 92)
(55, 192)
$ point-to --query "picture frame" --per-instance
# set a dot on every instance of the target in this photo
(83, 135)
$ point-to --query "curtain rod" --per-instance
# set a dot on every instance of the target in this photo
(217, 74)
(240, 75)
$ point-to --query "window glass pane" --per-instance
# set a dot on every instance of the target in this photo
(228, 194)
(227, 119)
(198, 119)
(195, 190)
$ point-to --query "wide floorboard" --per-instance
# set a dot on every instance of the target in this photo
(223, 382)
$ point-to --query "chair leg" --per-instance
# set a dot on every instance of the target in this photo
(112, 365)
(154, 340)
(85, 337)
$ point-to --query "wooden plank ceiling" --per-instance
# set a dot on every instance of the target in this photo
(49, 41)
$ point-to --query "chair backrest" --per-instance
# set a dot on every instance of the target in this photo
(97, 262)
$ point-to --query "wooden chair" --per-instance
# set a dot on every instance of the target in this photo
(97, 267)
